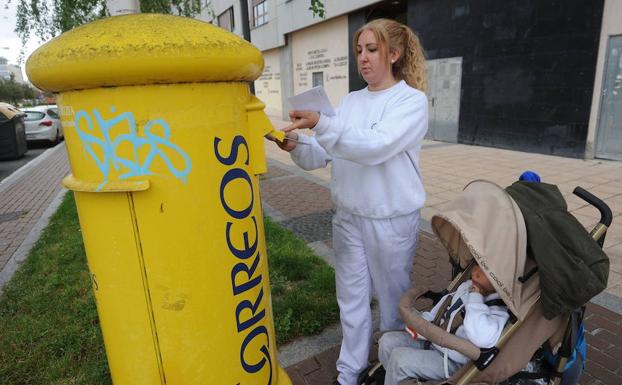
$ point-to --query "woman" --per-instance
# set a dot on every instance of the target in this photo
(373, 143)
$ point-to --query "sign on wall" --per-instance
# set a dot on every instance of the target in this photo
(268, 85)
(320, 57)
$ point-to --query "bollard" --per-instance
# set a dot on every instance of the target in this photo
(165, 144)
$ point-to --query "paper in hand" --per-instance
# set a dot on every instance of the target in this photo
(314, 99)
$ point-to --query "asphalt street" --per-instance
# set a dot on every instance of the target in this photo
(9, 166)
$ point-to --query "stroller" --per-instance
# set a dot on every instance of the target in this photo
(541, 343)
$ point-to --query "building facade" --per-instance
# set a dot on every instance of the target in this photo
(10, 71)
(17, 73)
(532, 75)
(5, 73)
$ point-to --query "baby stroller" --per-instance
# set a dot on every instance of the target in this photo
(545, 282)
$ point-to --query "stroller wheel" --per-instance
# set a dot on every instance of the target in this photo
(372, 375)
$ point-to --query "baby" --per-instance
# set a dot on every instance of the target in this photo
(406, 355)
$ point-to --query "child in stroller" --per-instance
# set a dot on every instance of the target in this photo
(488, 226)
(474, 312)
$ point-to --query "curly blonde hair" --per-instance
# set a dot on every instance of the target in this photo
(410, 66)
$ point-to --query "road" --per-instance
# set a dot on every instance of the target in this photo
(7, 167)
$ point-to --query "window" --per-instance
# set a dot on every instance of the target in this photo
(53, 114)
(33, 115)
(225, 20)
(260, 12)
(317, 78)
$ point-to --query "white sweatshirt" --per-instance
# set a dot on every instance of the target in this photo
(482, 324)
(373, 143)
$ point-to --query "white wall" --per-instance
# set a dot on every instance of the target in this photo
(322, 47)
(268, 85)
(17, 71)
(612, 25)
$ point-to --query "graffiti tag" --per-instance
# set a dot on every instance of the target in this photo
(157, 145)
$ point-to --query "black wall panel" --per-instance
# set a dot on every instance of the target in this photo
(528, 68)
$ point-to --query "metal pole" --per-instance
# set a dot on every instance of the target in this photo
(246, 32)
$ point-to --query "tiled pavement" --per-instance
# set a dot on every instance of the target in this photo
(297, 209)
(301, 201)
(24, 198)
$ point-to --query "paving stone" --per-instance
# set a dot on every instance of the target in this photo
(600, 373)
(274, 172)
(603, 359)
(307, 366)
(296, 196)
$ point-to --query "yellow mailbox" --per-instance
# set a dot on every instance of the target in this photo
(165, 144)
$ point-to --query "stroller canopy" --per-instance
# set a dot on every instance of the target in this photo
(484, 222)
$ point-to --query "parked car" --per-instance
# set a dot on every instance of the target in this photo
(12, 133)
(43, 123)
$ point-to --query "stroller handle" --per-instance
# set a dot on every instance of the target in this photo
(605, 212)
(600, 230)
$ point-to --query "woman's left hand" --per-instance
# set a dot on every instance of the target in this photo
(302, 119)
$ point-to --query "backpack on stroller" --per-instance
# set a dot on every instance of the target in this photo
(544, 265)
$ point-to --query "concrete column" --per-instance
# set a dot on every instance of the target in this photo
(287, 77)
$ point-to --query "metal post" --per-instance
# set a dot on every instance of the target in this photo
(246, 32)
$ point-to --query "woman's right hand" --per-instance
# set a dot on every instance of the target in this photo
(288, 145)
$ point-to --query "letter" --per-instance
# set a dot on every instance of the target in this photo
(254, 368)
(248, 251)
(238, 289)
(230, 175)
(246, 304)
(237, 142)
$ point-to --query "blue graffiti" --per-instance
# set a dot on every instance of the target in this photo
(157, 145)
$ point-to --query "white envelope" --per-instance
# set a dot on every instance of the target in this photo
(314, 99)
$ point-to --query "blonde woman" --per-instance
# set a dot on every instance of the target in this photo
(373, 143)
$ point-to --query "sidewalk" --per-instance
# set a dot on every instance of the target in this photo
(301, 201)
(28, 198)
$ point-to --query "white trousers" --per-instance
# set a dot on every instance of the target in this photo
(370, 253)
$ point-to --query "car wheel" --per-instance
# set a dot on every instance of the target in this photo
(57, 138)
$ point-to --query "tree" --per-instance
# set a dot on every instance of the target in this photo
(46, 19)
(49, 18)
(11, 91)
(28, 92)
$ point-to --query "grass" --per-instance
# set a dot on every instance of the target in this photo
(303, 286)
(49, 329)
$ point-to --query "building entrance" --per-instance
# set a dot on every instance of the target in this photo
(444, 78)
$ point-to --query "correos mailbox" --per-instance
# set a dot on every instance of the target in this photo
(165, 144)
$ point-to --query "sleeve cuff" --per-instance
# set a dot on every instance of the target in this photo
(322, 124)
(301, 139)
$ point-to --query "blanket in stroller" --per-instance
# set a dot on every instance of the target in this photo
(572, 267)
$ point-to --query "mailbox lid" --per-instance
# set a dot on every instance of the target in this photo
(142, 49)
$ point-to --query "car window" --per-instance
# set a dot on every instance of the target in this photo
(53, 114)
(33, 115)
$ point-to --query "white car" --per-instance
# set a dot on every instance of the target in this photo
(43, 123)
